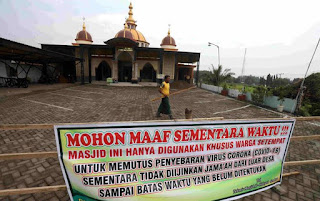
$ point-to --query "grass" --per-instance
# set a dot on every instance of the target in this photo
(240, 86)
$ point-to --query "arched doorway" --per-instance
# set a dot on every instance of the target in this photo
(148, 74)
(103, 71)
(124, 67)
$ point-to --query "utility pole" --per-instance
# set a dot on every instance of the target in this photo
(209, 44)
(244, 60)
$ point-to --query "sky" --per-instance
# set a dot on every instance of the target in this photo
(280, 35)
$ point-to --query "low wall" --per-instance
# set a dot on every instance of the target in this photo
(233, 93)
(211, 88)
(270, 101)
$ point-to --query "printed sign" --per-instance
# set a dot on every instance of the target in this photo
(196, 160)
(160, 76)
(125, 49)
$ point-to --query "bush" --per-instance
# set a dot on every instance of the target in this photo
(259, 93)
(304, 110)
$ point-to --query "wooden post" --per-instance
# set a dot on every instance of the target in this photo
(19, 156)
(89, 60)
(177, 92)
(197, 75)
(43, 189)
(82, 66)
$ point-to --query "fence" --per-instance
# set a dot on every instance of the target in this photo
(53, 154)
(270, 101)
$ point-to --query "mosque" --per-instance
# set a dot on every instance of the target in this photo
(127, 57)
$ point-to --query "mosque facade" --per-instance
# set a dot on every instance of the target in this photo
(127, 57)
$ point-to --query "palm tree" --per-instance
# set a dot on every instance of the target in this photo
(217, 76)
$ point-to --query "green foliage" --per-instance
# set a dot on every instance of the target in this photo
(241, 87)
(312, 94)
(312, 83)
(259, 93)
(225, 86)
(281, 95)
(304, 110)
(217, 76)
(275, 81)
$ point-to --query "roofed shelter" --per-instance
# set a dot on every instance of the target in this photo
(14, 54)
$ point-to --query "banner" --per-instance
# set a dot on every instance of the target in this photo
(195, 160)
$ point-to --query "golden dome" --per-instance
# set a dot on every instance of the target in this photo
(130, 25)
(136, 35)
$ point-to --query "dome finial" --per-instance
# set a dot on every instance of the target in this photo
(130, 19)
(84, 25)
(169, 29)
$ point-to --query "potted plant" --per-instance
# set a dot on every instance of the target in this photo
(280, 99)
(224, 91)
(242, 96)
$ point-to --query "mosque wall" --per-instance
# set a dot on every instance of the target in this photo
(95, 64)
(85, 64)
(142, 63)
(168, 65)
(119, 52)
(78, 64)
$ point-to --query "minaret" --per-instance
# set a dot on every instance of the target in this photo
(130, 21)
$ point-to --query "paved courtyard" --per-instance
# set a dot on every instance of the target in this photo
(73, 103)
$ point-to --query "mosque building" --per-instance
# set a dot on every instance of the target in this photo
(127, 57)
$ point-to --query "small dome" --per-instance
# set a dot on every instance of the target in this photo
(168, 40)
(168, 43)
(83, 37)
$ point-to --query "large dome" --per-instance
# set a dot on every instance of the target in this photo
(130, 26)
(131, 34)
(83, 37)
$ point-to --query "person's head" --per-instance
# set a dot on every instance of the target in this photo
(167, 78)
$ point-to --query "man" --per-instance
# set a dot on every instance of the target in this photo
(164, 89)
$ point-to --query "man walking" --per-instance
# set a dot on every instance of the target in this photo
(164, 89)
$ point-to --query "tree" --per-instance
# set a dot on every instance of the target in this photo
(217, 76)
(311, 98)
(259, 93)
(262, 81)
(312, 93)
(269, 80)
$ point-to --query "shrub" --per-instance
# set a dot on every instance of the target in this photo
(259, 93)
